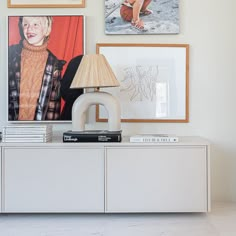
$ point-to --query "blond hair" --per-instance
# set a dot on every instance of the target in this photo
(47, 25)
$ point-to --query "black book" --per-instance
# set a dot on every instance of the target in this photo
(92, 136)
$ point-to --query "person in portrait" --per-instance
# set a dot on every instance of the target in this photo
(70, 95)
(131, 10)
(34, 73)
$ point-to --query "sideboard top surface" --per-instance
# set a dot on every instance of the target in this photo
(57, 142)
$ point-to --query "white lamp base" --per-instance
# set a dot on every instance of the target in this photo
(84, 101)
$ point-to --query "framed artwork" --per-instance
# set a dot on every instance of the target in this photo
(44, 52)
(154, 81)
(45, 3)
(134, 17)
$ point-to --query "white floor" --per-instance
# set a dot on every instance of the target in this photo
(220, 222)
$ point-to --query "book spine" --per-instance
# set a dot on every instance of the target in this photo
(25, 131)
(153, 139)
(70, 138)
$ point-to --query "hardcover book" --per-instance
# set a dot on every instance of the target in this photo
(92, 136)
(27, 129)
(153, 138)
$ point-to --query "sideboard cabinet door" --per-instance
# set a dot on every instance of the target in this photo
(53, 179)
(156, 179)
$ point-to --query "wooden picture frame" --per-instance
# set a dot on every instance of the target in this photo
(46, 3)
(154, 81)
(63, 48)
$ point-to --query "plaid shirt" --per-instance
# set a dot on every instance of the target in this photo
(49, 101)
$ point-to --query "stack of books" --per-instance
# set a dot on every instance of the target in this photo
(154, 138)
(27, 133)
(92, 136)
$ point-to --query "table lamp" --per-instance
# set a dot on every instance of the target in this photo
(95, 72)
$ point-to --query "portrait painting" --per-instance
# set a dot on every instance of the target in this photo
(44, 53)
(141, 17)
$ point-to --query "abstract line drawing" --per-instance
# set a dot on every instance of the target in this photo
(140, 82)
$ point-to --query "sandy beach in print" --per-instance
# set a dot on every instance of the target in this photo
(164, 20)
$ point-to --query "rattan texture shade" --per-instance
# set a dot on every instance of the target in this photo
(94, 72)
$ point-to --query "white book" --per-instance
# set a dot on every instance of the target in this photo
(25, 129)
(27, 135)
(154, 138)
(26, 140)
(41, 127)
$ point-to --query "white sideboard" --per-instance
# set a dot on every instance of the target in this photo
(106, 177)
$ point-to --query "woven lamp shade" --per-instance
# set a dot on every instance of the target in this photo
(93, 72)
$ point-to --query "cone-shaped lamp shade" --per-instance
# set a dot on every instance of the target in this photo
(94, 72)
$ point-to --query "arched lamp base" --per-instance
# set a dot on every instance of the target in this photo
(84, 101)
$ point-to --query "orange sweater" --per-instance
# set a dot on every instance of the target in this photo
(33, 61)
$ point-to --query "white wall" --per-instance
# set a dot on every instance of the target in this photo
(209, 28)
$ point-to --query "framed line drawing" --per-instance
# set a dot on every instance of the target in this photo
(44, 52)
(154, 81)
(45, 3)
